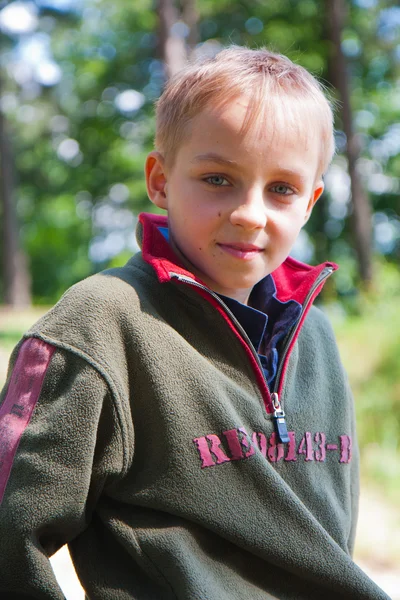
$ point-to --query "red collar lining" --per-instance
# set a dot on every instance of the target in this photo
(293, 279)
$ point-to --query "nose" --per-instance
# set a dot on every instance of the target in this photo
(251, 212)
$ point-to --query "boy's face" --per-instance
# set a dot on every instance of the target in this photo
(235, 203)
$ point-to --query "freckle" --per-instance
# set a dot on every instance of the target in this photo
(219, 214)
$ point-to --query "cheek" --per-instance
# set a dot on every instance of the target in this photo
(293, 220)
(288, 229)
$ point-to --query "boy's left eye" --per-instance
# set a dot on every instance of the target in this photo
(282, 189)
(217, 180)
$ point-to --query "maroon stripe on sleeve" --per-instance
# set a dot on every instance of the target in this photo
(20, 401)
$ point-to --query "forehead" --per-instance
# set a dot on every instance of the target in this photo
(240, 126)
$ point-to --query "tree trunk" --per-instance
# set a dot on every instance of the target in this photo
(361, 218)
(16, 279)
(172, 44)
(190, 17)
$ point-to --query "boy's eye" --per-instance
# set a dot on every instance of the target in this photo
(282, 189)
(217, 180)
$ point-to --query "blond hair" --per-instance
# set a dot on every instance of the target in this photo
(273, 84)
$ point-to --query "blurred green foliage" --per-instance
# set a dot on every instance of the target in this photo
(80, 142)
(370, 349)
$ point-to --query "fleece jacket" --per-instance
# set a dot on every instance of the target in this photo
(137, 427)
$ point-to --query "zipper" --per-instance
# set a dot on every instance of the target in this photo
(325, 273)
(278, 413)
(230, 314)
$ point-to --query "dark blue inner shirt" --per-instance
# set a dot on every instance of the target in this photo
(266, 321)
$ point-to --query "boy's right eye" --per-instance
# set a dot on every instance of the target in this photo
(217, 180)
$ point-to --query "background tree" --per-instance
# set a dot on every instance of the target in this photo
(177, 33)
(80, 139)
(16, 280)
(338, 75)
(171, 37)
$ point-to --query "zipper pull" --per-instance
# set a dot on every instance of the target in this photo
(279, 420)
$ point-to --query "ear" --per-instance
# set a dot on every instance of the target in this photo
(156, 179)
(318, 189)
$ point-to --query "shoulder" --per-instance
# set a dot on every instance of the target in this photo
(316, 358)
(98, 310)
(108, 291)
(318, 320)
(317, 337)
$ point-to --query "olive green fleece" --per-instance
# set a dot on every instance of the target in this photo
(110, 461)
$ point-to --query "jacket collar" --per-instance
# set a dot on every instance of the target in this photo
(293, 279)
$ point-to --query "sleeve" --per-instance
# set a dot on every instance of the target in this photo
(60, 447)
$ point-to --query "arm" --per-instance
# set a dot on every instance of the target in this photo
(60, 446)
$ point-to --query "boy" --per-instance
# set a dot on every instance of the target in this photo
(143, 422)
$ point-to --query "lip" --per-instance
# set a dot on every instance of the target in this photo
(242, 251)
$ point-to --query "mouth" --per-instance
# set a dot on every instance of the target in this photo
(243, 251)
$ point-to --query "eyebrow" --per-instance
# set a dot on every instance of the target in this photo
(216, 158)
(292, 173)
(212, 157)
